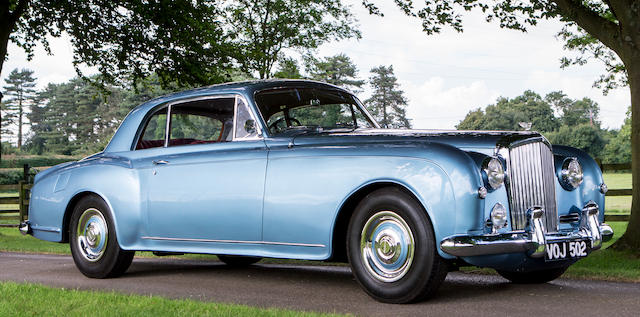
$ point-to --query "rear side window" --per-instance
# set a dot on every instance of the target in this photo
(193, 122)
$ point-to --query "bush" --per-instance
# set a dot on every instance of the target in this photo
(10, 177)
(34, 161)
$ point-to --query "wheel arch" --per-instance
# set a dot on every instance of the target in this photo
(66, 220)
(339, 234)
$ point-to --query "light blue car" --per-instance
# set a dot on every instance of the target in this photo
(300, 170)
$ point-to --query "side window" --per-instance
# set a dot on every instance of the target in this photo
(154, 131)
(202, 121)
(246, 126)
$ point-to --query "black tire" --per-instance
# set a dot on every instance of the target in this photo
(238, 261)
(109, 260)
(534, 277)
(414, 280)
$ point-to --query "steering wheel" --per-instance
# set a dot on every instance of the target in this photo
(275, 128)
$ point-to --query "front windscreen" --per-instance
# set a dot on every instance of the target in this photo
(308, 109)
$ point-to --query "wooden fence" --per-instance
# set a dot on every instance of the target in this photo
(17, 205)
(616, 192)
(21, 198)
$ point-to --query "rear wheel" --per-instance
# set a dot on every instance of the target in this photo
(392, 249)
(534, 277)
(238, 261)
(93, 241)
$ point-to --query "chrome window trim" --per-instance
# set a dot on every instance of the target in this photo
(167, 132)
(170, 104)
(358, 103)
(259, 135)
(294, 244)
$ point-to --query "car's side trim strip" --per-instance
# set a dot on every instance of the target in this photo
(46, 229)
(238, 241)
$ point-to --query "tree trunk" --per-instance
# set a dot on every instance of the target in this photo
(631, 239)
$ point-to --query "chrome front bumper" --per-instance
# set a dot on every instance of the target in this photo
(532, 241)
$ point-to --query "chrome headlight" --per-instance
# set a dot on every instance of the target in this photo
(494, 172)
(571, 173)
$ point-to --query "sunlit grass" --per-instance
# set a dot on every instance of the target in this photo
(36, 300)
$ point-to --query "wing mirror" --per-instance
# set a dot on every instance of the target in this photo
(250, 126)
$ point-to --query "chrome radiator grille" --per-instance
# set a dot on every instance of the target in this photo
(531, 173)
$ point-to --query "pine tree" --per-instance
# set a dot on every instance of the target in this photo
(338, 70)
(387, 103)
(20, 92)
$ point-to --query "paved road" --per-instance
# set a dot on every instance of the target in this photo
(329, 289)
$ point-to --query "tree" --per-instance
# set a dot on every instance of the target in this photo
(182, 41)
(338, 70)
(288, 68)
(507, 114)
(263, 28)
(21, 93)
(618, 150)
(574, 112)
(387, 103)
(576, 125)
(584, 136)
(605, 30)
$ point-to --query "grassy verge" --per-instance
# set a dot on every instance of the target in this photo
(608, 264)
(35, 300)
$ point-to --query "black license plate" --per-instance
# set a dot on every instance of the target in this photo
(567, 250)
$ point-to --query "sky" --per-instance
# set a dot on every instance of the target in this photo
(443, 76)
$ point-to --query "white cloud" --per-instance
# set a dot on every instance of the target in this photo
(433, 106)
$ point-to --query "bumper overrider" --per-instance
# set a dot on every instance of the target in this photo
(532, 241)
(25, 228)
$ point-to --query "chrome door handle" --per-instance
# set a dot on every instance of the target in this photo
(160, 162)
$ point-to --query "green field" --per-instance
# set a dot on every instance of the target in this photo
(618, 204)
(35, 300)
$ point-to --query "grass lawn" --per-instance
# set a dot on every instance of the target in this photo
(35, 300)
(618, 204)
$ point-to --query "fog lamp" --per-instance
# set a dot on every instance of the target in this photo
(498, 217)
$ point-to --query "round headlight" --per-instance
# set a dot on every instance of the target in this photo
(494, 172)
(571, 174)
(498, 216)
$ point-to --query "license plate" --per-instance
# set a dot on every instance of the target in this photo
(566, 250)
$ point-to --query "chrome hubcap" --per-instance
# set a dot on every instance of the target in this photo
(387, 246)
(92, 234)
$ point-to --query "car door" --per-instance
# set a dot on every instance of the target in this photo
(205, 182)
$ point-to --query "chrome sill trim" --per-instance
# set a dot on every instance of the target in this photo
(47, 229)
(237, 241)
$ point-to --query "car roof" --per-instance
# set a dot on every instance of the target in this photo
(121, 141)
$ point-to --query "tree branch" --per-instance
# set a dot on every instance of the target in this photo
(18, 12)
(604, 30)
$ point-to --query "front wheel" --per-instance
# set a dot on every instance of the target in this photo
(534, 277)
(392, 250)
(93, 241)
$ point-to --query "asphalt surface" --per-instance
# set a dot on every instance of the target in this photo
(329, 289)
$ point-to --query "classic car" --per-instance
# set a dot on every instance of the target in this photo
(299, 169)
